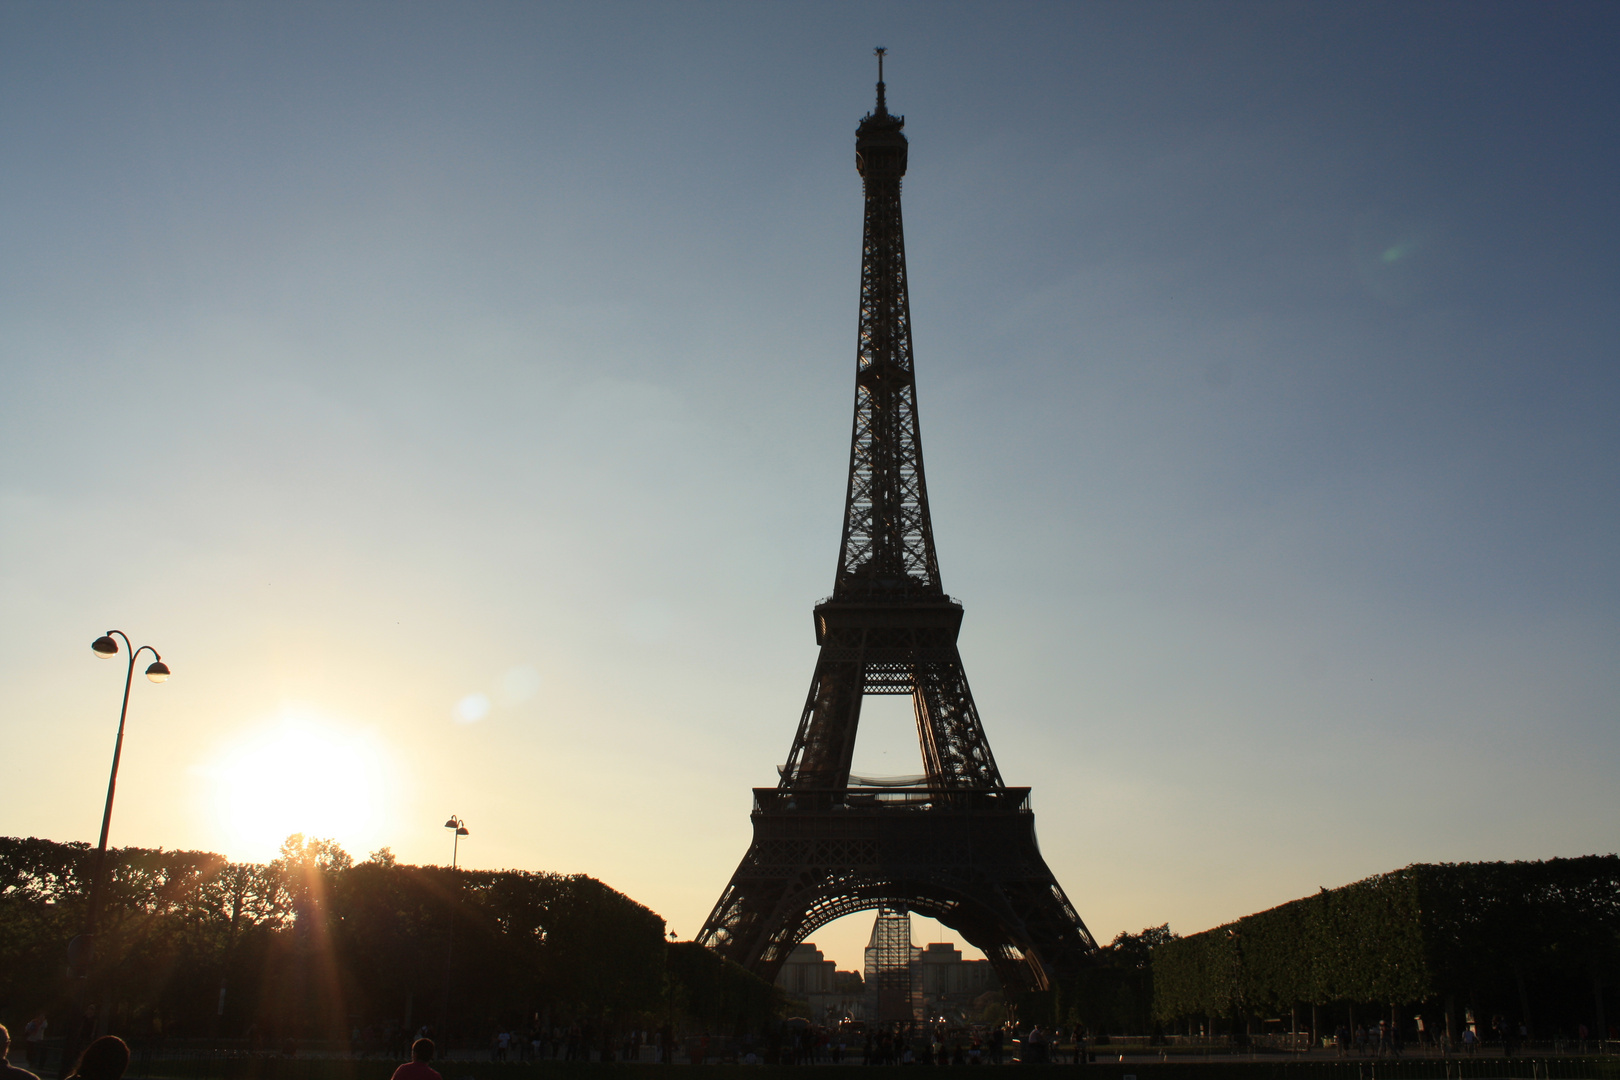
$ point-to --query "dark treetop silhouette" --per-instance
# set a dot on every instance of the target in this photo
(959, 845)
(315, 943)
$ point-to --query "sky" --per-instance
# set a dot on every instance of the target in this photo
(458, 397)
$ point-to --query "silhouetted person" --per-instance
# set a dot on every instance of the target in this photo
(104, 1059)
(418, 1068)
(34, 1040)
(8, 1071)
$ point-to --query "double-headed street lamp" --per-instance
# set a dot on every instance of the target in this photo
(458, 829)
(107, 648)
(461, 830)
(82, 949)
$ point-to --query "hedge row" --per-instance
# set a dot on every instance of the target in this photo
(1406, 936)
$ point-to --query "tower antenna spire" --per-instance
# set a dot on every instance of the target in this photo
(879, 53)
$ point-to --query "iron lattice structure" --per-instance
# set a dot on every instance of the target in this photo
(960, 845)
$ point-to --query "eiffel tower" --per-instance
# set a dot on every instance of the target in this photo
(958, 845)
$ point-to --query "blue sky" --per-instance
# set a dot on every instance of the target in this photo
(459, 397)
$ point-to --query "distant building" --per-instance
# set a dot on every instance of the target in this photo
(904, 982)
(810, 977)
(947, 984)
(807, 972)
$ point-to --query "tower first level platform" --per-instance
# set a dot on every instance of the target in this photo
(966, 858)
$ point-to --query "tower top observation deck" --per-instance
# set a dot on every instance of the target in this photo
(880, 149)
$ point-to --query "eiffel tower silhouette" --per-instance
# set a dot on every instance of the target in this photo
(958, 846)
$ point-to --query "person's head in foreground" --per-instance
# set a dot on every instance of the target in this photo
(104, 1059)
(422, 1050)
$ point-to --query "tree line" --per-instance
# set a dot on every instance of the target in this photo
(316, 945)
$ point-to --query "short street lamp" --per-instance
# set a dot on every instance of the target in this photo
(669, 996)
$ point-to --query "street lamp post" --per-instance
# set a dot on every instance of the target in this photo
(669, 995)
(458, 829)
(82, 949)
(106, 648)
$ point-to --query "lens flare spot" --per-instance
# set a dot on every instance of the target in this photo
(471, 709)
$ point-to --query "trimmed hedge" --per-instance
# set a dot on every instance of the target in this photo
(1406, 936)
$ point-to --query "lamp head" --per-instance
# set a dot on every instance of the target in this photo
(104, 646)
(158, 671)
(452, 824)
(461, 830)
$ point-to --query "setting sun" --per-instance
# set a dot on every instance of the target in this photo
(302, 774)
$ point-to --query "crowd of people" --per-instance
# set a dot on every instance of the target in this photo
(1388, 1040)
(1382, 1041)
(938, 1044)
(795, 1043)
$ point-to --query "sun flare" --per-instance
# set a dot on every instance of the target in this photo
(301, 774)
